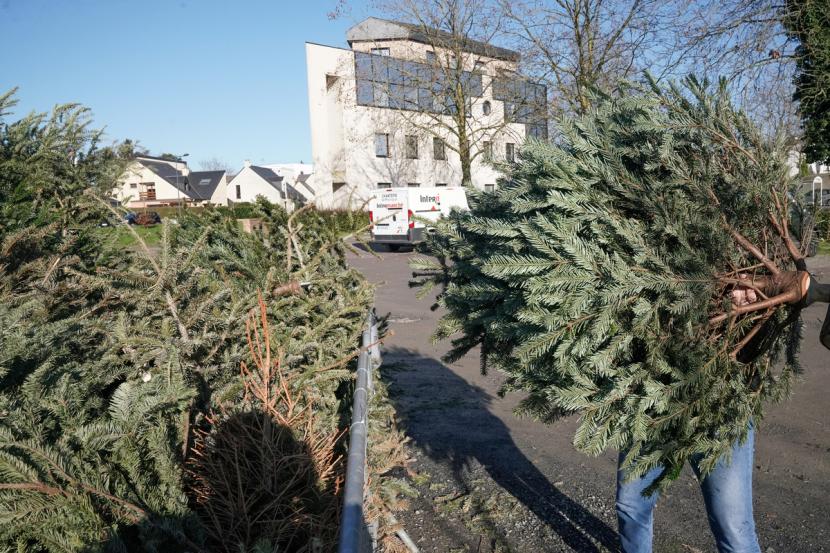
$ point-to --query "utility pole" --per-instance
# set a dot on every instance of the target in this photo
(178, 191)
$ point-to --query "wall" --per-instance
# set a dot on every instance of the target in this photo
(343, 132)
(137, 173)
(251, 186)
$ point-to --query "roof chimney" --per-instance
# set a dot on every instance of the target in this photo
(247, 163)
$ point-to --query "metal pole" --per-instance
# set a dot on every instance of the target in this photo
(352, 523)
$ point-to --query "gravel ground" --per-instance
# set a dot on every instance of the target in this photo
(489, 481)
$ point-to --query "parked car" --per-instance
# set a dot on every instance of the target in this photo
(129, 218)
(147, 218)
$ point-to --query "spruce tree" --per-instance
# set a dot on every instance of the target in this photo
(116, 361)
(599, 277)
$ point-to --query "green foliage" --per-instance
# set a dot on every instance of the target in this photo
(822, 228)
(589, 277)
(808, 22)
(112, 359)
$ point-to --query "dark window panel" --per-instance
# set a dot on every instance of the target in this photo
(439, 150)
(380, 91)
(381, 145)
(365, 97)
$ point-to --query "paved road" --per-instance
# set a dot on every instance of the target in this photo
(494, 482)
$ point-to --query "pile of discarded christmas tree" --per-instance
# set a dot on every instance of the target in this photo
(639, 271)
(185, 395)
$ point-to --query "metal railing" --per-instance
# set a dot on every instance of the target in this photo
(356, 536)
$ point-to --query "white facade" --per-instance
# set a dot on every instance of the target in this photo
(347, 167)
(254, 181)
(140, 186)
(297, 176)
(150, 181)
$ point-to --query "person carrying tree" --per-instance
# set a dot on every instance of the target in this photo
(727, 490)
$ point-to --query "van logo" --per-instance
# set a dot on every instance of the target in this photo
(427, 199)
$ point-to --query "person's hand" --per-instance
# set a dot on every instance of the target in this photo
(743, 295)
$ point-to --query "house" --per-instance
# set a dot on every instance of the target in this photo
(378, 117)
(815, 186)
(153, 181)
(297, 175)
(255, 181)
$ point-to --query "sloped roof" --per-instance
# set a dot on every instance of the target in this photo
(203, 183)
(275, 180)
(374, 29)
(162, 169)
(191, 184)
(166, 171)
(269, 175)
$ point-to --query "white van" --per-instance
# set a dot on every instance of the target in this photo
(395, 212)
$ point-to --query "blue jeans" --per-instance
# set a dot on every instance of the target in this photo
(727, 492)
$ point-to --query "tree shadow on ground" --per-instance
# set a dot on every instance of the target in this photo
(253, 486)
(448, 418)
(382, 248)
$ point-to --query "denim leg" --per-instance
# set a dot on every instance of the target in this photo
(635, 513)
(727, 491)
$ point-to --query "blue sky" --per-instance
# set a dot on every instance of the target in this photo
(211, 78)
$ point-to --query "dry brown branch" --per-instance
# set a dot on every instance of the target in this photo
(269, 472)
(753, 249)
(759, 324)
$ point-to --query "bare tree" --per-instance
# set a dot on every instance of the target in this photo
(215, 164)
(447, 94)
(576, 45)
(744, 41)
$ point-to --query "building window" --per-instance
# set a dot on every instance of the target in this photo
(486, 107)
(384, 185)
(440, 184)
(487, 151)
(381, 145)
(414, 185)
(387, 82)
(539, 131)
(133, 185)
(510, 152)
(335, 186)
(411, 147)
(380, 51)
(479, 67)
(431, 57)
(489, 187)
(439, 150)
(238, 192)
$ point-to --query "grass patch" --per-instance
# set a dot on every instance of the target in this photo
(122, 236)
(824, 247)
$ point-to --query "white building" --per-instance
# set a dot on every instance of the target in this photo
(373, 126)
(284, 185)
(151, 181)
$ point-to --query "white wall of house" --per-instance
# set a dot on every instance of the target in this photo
(346, 168)
(136, 179)
(246, 186)
(220, 195)
(291, 173)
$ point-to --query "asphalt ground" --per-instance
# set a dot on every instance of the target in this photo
(489, 481)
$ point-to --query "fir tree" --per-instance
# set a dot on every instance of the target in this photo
(115, 361)
(599, 276)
